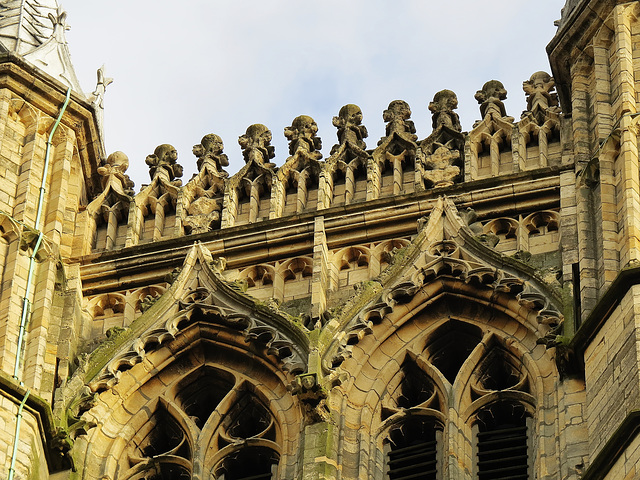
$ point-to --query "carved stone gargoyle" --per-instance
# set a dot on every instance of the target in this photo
(441, 152)
(256, 145)
(304, 145)
(210, 149)
(313, 396)
(163, 161)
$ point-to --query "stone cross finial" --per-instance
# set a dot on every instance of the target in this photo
(397, 116)
(97, 97)
(303, 141)
(163, 161)
(350, 128)
(115, 167)
(59, 21)
(442, 108)
(539, 90)
(490, 98)
(256, 145)
(210, 149)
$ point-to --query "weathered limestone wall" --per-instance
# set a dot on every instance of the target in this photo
(612, 371)
(626, 467)
(31, 461)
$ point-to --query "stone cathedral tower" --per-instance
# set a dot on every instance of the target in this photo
(455, 305)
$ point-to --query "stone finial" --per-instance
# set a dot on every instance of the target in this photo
(539, 90)
(442, 108)
(59, 21)
(210, 149)
(490, 98)
(350, 128)
(397, 116)
(303, 141)
(256, 145)
(115, 166)
(97, 97)
(164, 159)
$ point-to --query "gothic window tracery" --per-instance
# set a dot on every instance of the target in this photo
(210, 420)
(463, 369)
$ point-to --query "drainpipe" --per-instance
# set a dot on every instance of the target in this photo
(16, 439)
(26, 304)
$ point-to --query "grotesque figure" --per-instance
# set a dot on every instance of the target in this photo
(397, 115)
(539, 90)
(350, 128)
(490, 98)
(165, 157)
(114, 167)
(443, 106)
(210, 148)
(303, 141)
(256, 145)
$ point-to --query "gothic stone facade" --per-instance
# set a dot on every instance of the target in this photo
(463, 306)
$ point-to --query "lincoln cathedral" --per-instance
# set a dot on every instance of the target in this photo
(429, 305)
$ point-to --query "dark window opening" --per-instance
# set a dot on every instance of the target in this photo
(413, 451)
(502, 444)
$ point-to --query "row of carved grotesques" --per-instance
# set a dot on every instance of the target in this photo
(399, 164)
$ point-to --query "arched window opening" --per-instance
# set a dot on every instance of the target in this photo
(502, 445)
(249, 463)
(450, 346)
(413, 450)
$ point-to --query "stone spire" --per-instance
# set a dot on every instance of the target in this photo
(34, 30)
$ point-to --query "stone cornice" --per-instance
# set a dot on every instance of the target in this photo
(279, 238)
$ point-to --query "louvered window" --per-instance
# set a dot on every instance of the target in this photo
(502, 444)
(413, 452)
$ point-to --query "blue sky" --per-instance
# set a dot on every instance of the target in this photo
(185, 69)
